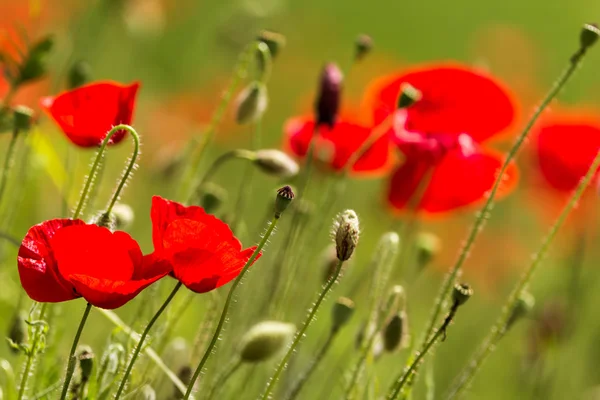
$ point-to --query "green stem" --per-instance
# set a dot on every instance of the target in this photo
(300, 334)
(500, 327)
(71, 362)
(223, 317)
(32, 353)
(8, 161)
(47, 391)
(224, 376)
(92, 175)
(138, 348)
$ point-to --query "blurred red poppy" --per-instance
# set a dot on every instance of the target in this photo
(87, 113)
(64, 259)
(334, 146)
(441, 135)
(201, 249)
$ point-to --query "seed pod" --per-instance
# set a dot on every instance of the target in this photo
(329, 97)
(461, 293)
(264, 340)
(274, 40)
(521, 309)
(251, 103)
(589, 36)
(285, 195)
(428, 246)
(345, 233)
(79, 74)
(23, 117)
(408, 96)
(363, 46)
(124, 216)
(18, 331)
(86, 356)
(275, 162)
(342, 311)
(212, 197)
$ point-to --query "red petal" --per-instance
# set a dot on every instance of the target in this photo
(456, 99)
(87, 113)
(457, 181)
(334, 147)
(566, 147)
(37, 266)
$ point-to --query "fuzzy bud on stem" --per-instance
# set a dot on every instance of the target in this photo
(17, 334)
(328, 100)
(124, 216)
(86, 356)
(345, 234)
(285, 195)
(251, 103)
(275, 162)
(342, 311)
(264, 340)
(395, 333)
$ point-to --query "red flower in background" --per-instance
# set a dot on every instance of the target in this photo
(334, 146)
(442, 134)
(64, 259)
(200, 248)
(87, 113)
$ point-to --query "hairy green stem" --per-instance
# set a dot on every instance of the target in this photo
(71, 360)
(32, 353)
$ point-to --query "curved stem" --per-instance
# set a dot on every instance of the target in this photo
(138, 348)
(71, 362)
(302, 331)
(228, 301)
(224, 376)
(500, 327)
(8, 161)
(92, 175)
(31, 355)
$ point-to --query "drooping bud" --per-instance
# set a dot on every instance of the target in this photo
(328, 100)
(212, 197)
(428, 246)
(589, 36)
(363, 46)
(23, 117)
(461, 293)
(274, 40)
(285, 195)
(35, 64)
(251, 103)
(408, 96)
(345, 233)
(79, 74)
(264, 340)
(342, 311)
(17, 335)
(522, 308)
(395, 332)
(263, 61)
(276, 162)
(85, 356)
(124, 216)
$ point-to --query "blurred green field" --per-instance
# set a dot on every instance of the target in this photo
(184, 59)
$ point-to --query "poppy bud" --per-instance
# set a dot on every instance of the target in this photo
(395, 332)
(524, 305)
(124, 216)
(23, 117)
(85, 355)
(589, 36)
(251, 103)
(274, 40)
(17, 334)
(285, 195)
(409, 95)
(79, 74)
(345, 233)
(212, 197)
(461, 293)
(428, 246)
(264, 340)
(263, 61)
(342, 311)
(328, 100)
(275, 162)
(147, 393)
(363, 46)
(34, 66)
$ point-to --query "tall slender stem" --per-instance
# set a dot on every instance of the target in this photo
(8, 161)
(31, 355)
(138, 348)
(71, 362)
(500, 327)
(302, 331)
(228, 301)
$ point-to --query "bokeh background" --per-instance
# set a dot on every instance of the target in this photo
(183, 52)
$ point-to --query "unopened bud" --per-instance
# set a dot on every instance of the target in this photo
(147, 393)
(461, 293)
(23, 118)
(342, 311)
(124, 216)
(409, 95)
(345, 233)
(17, 334)
(428, 246)
(395, 333)
(86, 356)
(251, 103)
(522, 308)
(276, 162)
(35, 64)
(274, 40)
(589, 36)
(212, 197)
(79, 74)
(328, 100)
(285, 195)
(263, 61)
(264, 340)
(363, 46)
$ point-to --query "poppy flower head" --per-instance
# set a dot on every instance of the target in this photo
(201, 249)
(86, 114)
(64, 259)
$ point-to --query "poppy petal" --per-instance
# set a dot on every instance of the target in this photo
(88, 113)
(38, 269)
(455, 99)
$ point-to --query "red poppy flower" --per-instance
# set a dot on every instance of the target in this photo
(87, 113)
(441, 136)
(334, 146)
(200, 248)
(64, 259)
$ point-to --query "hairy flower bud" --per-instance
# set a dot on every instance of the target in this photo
(17, 334)
(85, 356)
(124, 216)
(79, 74)
(276, 162)
(428, 246)
(362, 46)
(329, 97)
(251, 103)
(522, 308)
(342, 311)
(264, 340)
(274, 40)
(285, 195)
(461, 293)
(409, 95)
(345, 233)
